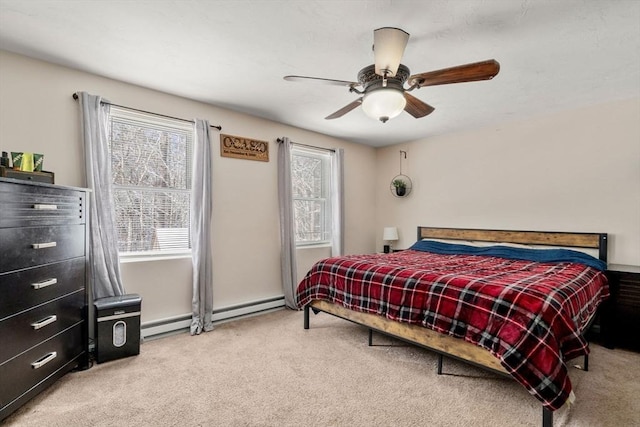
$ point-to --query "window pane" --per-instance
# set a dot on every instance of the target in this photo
(151, 168)
(151, 220)
(306, 176)
(310, 221)
(311, 179)
(149, 156)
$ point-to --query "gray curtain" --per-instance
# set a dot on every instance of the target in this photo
(288, 264)
(337, 202)
(200, 231)
(103, 247)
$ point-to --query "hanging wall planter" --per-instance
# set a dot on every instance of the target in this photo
(401, 184)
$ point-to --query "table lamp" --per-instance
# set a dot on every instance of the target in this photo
(389, 234)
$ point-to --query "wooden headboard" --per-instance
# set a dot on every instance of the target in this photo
(548, 238)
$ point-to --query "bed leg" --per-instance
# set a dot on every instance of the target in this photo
(440, 357)
(547, 417)
(370, 337)
(586, 362)
(306, 316)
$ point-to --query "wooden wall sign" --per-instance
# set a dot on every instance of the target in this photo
(244, 148)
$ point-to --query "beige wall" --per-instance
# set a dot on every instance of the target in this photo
(570, 171)
(38, 114)
(577, 170)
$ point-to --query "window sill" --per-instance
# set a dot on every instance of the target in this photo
(126, 258)
(318, 246)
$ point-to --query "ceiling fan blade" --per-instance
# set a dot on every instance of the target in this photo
(320, 80)
(476, 71)
(344, 110)
(388, 48)
(417, 108)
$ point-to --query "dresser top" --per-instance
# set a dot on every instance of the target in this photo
(624, 268)
(40, 184)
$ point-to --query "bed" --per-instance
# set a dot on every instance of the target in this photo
(514, 302)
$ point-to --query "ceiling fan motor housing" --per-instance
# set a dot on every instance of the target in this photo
(367, 77)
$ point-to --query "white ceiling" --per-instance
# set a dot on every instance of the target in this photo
(554, 55)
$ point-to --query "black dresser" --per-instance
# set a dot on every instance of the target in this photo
(43, 287)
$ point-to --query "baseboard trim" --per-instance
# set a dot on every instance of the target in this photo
(183, 322)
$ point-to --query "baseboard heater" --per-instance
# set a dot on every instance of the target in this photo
(183, 322)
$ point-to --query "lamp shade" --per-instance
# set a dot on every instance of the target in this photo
(388, 48)
(384, 103)
(390, 233)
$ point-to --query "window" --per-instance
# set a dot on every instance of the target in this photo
(151, 169)
(311, 184)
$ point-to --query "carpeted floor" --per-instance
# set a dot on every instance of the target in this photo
(268, 371)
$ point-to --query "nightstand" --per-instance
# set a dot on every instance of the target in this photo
(621, 314)
(391, 251)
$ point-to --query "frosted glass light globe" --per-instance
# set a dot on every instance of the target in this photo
(384, 103)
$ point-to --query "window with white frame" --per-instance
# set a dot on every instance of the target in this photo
(151, 169)
(311, 185)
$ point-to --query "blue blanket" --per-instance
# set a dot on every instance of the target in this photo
(537, 255)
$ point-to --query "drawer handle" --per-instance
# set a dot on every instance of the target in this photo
(44, 360)
(44, 283)
(44, 322)
(45, 207)
(43, 245)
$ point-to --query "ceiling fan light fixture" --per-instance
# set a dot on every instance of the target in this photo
(388, 48)
(384, 103)
(383, 95)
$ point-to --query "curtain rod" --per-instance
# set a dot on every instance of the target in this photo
(309, 146)
(75, 96)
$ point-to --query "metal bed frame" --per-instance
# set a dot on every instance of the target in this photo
(449, 346)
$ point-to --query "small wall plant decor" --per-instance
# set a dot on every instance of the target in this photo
(401, 184)
(401, 187)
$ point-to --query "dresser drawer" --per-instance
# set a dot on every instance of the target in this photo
(22, 372)
(32, 246)
(27, 288)
(25, 330)
(32, 205)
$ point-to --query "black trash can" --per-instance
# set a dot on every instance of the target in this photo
(117, 327)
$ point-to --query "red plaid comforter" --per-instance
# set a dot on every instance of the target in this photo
(529, 315)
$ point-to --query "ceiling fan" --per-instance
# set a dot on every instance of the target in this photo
(384, 95)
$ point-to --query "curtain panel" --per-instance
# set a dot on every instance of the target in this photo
(103, 246)
(200, 231)
(288, 265)
(337, 202)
